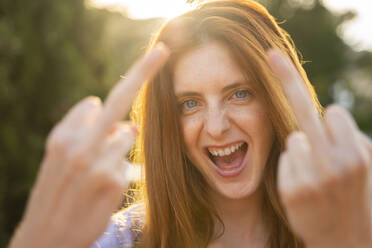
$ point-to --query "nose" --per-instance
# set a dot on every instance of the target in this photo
(216, 122)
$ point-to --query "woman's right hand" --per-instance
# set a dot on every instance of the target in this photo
(81, 179)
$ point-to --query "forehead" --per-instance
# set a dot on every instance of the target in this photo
(209, 65)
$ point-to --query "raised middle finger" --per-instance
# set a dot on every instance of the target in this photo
(300, 101)
(120, 98)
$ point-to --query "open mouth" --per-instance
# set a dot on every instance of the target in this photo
(229, 161)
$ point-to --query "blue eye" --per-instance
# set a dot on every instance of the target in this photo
(241, 94)
(189, 104)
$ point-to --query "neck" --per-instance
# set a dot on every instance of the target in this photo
(243, 220)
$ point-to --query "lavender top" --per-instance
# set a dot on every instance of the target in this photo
(122, 229)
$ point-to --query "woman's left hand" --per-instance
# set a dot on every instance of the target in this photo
(323, 173)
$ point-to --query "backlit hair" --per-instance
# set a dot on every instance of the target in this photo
(179, 212)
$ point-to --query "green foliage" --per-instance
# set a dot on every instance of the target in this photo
(53, 53)
(329, 60)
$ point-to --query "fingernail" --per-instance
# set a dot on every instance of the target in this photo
(93, 100)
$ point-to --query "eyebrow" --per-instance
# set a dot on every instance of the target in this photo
(234, 85)
(224, 89)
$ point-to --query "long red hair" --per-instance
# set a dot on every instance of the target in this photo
(179, 212)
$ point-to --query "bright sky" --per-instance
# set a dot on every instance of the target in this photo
(146, 8)
(357, 32)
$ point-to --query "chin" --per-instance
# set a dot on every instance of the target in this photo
(236, 190)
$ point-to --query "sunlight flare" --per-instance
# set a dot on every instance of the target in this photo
(142, 9)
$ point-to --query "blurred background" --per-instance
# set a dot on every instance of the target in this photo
(53, 53)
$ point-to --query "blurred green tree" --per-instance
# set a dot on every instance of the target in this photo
(48, 58)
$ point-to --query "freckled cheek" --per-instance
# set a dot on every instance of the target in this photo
(191, 126)
(263, 135)
(249, 119)
(254, 122)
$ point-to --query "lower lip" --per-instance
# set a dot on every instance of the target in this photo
(233, 172)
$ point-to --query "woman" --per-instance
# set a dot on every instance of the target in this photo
(224, 104)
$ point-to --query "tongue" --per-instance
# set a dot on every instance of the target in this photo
(231, 161)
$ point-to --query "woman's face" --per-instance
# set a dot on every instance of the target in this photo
(226, 129)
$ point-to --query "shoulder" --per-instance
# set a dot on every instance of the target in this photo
(124, 228)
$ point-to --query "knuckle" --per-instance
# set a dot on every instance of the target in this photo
(343, 177)
(57, 141)
(350, 159)
(346, 165)
(353, 166)
(300, 195)
(297, 141)
(105, 178)
(301, 191)
(332, 181)
(358, 170)
(79, 161)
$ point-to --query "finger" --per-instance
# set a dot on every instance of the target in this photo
(300, 101)
(286, 176)
(60, 140)
(64, 133)
(120, 98)
(83, 164)
(299, 155)
(117, 145)
(342, 129)
(366, 141)
(123, 124)
(107, 172)
(113, 153)
(350, 150)
(83, 111)
(368, 144)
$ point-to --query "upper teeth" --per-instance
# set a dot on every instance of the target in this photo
(225, 151)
